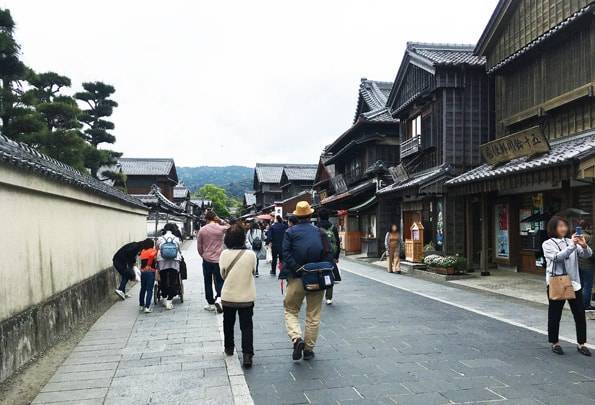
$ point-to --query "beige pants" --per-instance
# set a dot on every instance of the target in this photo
(394, 261)
(294, 297)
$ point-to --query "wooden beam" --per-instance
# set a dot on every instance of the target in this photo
(484, 235)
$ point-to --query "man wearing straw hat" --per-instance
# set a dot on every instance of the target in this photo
(303, 243)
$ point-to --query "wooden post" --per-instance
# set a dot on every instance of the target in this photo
(484, 235)
(469, 233)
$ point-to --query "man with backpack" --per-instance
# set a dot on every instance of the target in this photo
(275, 236)
(303, 244)
(332, 235)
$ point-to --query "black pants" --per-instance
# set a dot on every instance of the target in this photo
(578, 312)
(211, 274)
(229, 320)
(168, 283)
(277, 253)
(125, 273)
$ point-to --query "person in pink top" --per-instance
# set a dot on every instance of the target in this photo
(209, 242)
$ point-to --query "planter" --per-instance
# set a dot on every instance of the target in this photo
(444, 270)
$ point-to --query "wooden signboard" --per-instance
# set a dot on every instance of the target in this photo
(338, 183)
(524, 143)
(398, 173)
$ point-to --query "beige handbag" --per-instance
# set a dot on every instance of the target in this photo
(560, 286)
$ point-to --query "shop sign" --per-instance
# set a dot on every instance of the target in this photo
(501, 227)
(524, 143)
(339, 184)
(398, 173)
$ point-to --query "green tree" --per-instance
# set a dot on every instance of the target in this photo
(218, 196)
(96, 97)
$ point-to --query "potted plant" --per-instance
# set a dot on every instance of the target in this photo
(445, 264)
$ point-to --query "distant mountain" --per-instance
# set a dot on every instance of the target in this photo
(235, 179)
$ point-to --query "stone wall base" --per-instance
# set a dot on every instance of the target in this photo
(33, 331)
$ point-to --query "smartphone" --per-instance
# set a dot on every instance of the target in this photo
(579, 230)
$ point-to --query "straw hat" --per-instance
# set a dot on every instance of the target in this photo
(303, 209)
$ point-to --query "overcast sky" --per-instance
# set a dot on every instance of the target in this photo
(234, 82)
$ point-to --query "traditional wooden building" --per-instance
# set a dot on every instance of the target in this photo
(142, 173)
(541, 64)
(296, 179)
(359, 161)
(441, 98)
(277, 181)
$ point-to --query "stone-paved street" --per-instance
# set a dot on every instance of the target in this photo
(380, 344)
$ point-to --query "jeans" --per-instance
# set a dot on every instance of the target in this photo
(277, 253)
(124, 271)
(294, 297)
(229, 320)
(555, 314)
(211, 274)
(147, 282)
(587, 286)
(168, 282)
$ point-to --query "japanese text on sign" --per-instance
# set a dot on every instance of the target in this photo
(525, 143)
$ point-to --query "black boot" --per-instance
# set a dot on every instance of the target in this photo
(248, 360)
(298, 348)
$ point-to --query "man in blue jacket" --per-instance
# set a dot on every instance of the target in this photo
(275, 236)
(303, 243)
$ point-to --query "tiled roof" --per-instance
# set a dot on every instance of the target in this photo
(142, 166)
(543, 37)
(272, 172)
(306, 172)
(181, 191)
(374, 94)
(561, 152)
(417, 179)
(351, 192)
(249, 199)
(156, 198)
(446, 54)
(295, 197)
(23, 157)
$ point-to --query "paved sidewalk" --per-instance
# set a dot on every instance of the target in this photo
(517, 312)
(167, 357)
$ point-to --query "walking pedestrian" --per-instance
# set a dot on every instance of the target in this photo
(255, 242)
(168, 261)
(209, 242)
(275, 237)
(148, 268)
(562, 254)
(392, 244)
(303, 243)
(238, 265)
(332, 234)
(124, 260)
(585, 266)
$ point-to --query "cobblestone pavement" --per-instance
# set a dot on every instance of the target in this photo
(382, 345)
(167, 357)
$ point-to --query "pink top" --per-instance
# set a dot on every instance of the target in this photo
(209, 241)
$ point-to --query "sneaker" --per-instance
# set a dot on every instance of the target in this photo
(120, 294)
(126, 295)
(329, 302)
(218, 305)
(247, 360)
(169, 304)
(148, 310)
(298, 349)
(308, 354)
(557, 349)
(209, 307)
(584, 351)
(141, 308)
(256, 275)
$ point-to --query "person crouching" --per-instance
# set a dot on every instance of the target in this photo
(238, 266)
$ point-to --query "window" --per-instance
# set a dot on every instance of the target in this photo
(415, 126)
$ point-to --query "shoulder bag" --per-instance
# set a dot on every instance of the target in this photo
(560, 286)
(234, 261)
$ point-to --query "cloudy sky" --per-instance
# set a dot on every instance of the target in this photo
(234, 82)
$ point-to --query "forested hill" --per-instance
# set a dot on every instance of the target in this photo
(235, 179)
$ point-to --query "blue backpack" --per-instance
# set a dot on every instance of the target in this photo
(169, 249)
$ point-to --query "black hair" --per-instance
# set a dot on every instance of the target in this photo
(279, 219)
(210, 216)
(235, 237)
(147, 243)
(323, 214)
(255, 225)
(293, 219)
(173, 228)
(552, 226)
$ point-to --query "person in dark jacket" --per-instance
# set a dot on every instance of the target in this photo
(324, 223)
(303, 243)
(275, 236)
(125, 259)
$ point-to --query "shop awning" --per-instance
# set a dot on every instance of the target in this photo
(363, 206)
(563, 153)
(357, 190)
(423, 179)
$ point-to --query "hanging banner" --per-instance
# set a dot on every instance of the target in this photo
(501, 228)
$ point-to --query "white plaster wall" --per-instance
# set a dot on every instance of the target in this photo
(55, 235)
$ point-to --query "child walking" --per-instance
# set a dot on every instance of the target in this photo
(238, 266)
(148, 262)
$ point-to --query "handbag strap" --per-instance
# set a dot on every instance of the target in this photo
(235, 260)
(563, 262)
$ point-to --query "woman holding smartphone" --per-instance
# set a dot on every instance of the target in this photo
(562, 254)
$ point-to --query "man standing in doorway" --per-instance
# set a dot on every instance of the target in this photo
(209, 242)
(303, 243)
(275, 236)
